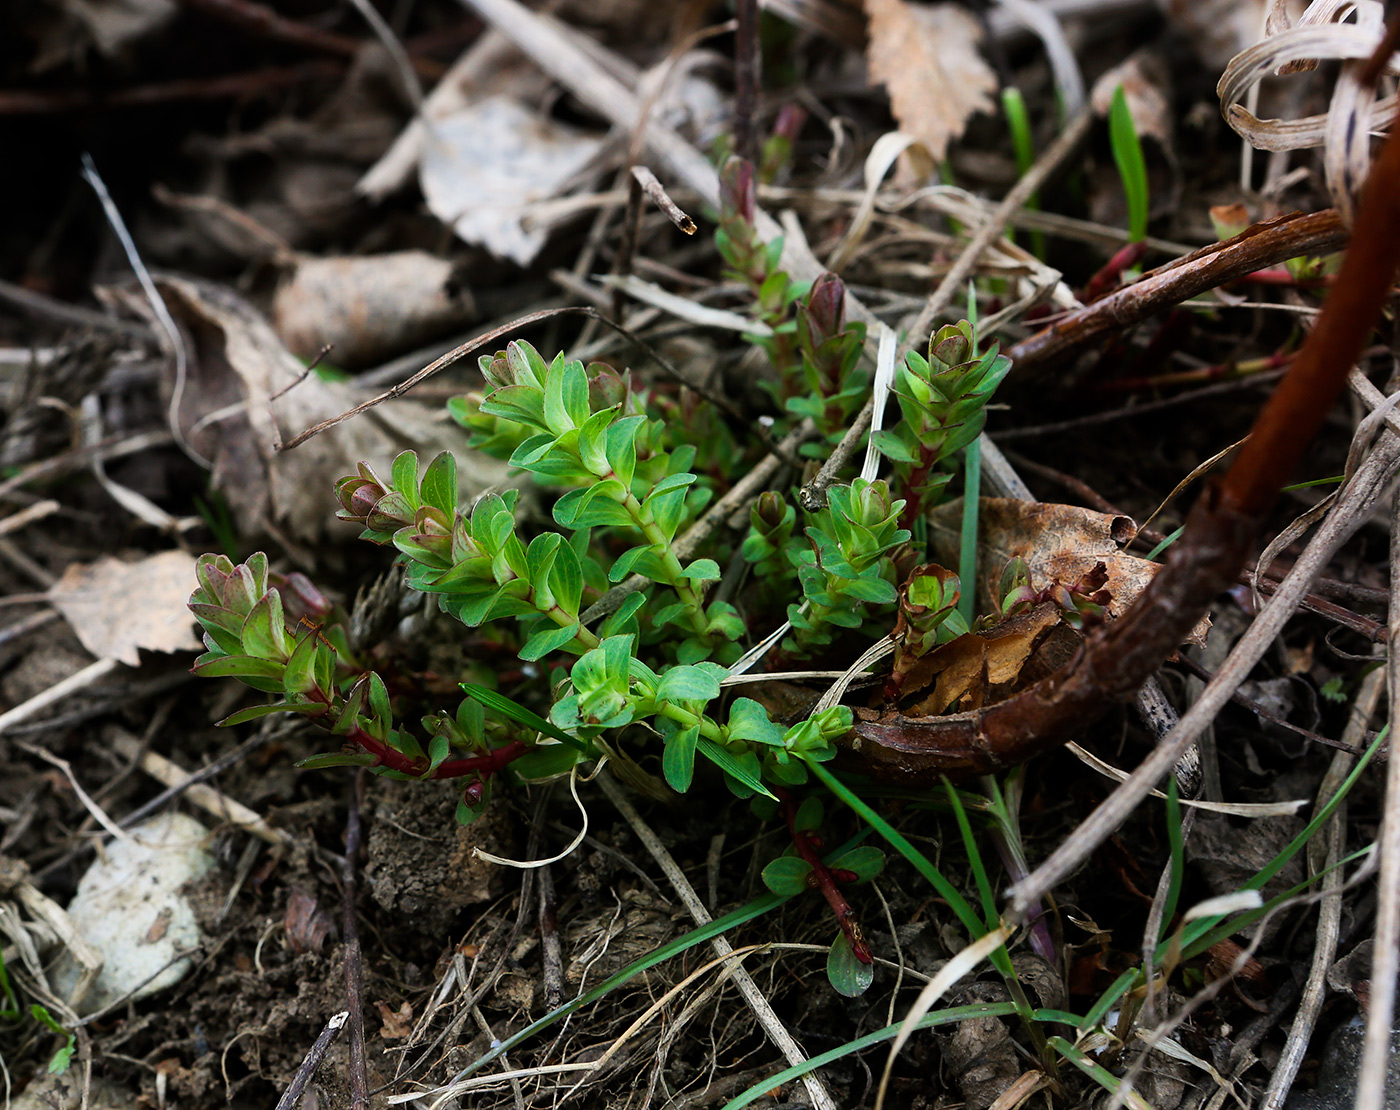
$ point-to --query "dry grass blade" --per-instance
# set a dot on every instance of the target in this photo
(1354, 113)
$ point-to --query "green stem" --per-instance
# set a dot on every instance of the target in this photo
(686, 719)
(671, 566)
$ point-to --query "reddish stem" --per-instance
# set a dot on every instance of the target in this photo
(1108, 278)
(823, 878)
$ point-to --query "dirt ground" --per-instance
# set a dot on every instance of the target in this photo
(234, 139)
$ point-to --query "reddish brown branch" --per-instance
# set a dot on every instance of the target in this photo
(824, 879)
(1220, 530)
(1266, 244)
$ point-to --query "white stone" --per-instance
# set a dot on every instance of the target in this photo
(130, 909)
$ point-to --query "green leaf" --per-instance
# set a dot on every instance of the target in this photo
(732, 766)
(241, 666)
(404, 477)
(621, 447)
(595, 506)
(565, 396)
(549, 639)
(749, 721)
(439, 485)
(545, 761)
(696, 683)
(867, 861)
(787, 876)
(253, 712)
(874, 590)
(678, 758)
(848, 976)
(338, 759)
(702, 570)
(264, 634)
(512, 711)
(622, 567)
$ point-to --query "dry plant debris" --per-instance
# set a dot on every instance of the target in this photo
(749, 595)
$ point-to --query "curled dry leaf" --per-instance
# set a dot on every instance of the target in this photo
(227, 411)
(926, 55)
(1060, 544)
(368, 308)
(116, 608)
(1354, 114)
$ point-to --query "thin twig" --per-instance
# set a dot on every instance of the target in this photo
(292, 1095)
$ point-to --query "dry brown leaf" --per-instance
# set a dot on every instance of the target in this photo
(367, 308)
(228, 412)
(1060, 543)
(397, 1024)
(980, 669)
(117, 607)
(926, 56)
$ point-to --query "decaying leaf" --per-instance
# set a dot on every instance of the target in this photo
(979, 669)
(367, 308)
(397, 1024)
(926, 56)
(116, 607)
(1060, 544)
(227, 411)
(484, 166)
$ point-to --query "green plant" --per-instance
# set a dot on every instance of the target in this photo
(625, 483)
(1132, 166)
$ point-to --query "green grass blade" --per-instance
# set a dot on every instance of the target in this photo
(1132, 166)
(928, 1021)
(514, 711)
(1120, 986)
(967, 548)
(979, 869)
(1195, 931)
(921, 863)
(1097, 1072)
(1166, 543)
(1018, 122)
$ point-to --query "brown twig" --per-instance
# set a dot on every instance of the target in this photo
(292, 1095)
(746, 80)
(1264, 244)
(24, 102)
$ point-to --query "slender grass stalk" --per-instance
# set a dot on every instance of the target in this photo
(1132, 166)
(1178, 857)
(1018, 121)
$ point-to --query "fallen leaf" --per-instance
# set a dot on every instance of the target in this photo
(1060, 544)
(485, 165)
(980, 669)
(305, 924)
(926, 56)
(397, 1024)
(227, 411)
(116, 607)
(368, 308)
